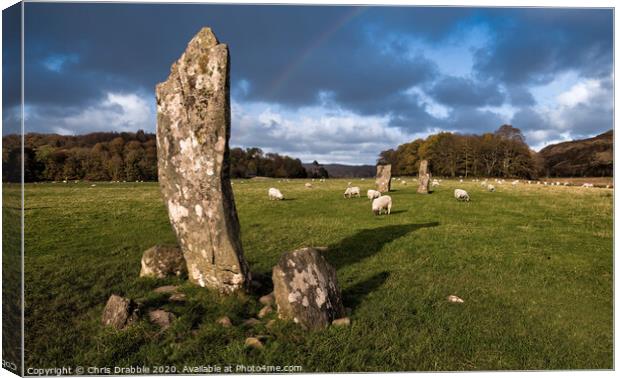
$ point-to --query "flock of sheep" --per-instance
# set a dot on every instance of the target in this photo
(380, 203)
(383, 203)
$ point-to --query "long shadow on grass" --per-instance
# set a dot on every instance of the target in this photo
(367, 242)
(355, 294)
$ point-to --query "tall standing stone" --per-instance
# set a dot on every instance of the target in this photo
(384, 178)
(193, 129)
(424, 177)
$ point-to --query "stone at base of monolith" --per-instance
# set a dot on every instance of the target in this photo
(424, 177)
(119, 312)
(384, 178)
(306, 290)
(162, 261)
(193, 130)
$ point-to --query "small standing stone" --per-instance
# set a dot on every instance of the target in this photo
(306, 289)
(162, 261)
(119, 312)
(424, 177)
(384, 178)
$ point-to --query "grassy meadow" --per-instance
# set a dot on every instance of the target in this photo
(532, 263)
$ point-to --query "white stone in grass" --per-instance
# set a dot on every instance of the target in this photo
(455, 299)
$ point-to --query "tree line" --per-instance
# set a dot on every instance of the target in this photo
(126, 156)
(502, 153)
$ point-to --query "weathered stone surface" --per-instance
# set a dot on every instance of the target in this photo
(270, 324)
(267, 300)
(162, 261)
(178, 297)
(251, 322)
(224, 321)
(193, 129)
(264, 311)
(306, 289)
(424, 177)
(168, 289)
(253, 342)
(162, 318)
(384, 178)
(342, 322)
(119, 312)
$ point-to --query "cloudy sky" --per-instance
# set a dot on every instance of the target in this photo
(335, 84)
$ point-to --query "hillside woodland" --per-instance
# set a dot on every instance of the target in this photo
(110, 156)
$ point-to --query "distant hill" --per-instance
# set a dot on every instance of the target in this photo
(586, 157)
(343, 170)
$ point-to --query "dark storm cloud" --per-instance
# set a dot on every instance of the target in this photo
(356, 58)
(287, 54)
(11, 56)
(533, 45)
(456, 91)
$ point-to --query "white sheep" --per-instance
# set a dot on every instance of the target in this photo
(435, 183)
(308, 185)
(372, 194)
(461, 195)
(352, 191)
(381, 204)
(587, 185)
(491, 188)
(275, 194)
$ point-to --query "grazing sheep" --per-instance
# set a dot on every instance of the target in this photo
(588, 185)
(461, 195)
(435, 183)
(372, 194)
(308, 185)
(352, 191)
(491, 188)
(383, 203)
(275, 194)
(404, 182)
(515, 182)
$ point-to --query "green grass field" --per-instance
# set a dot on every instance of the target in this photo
(534, 265)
